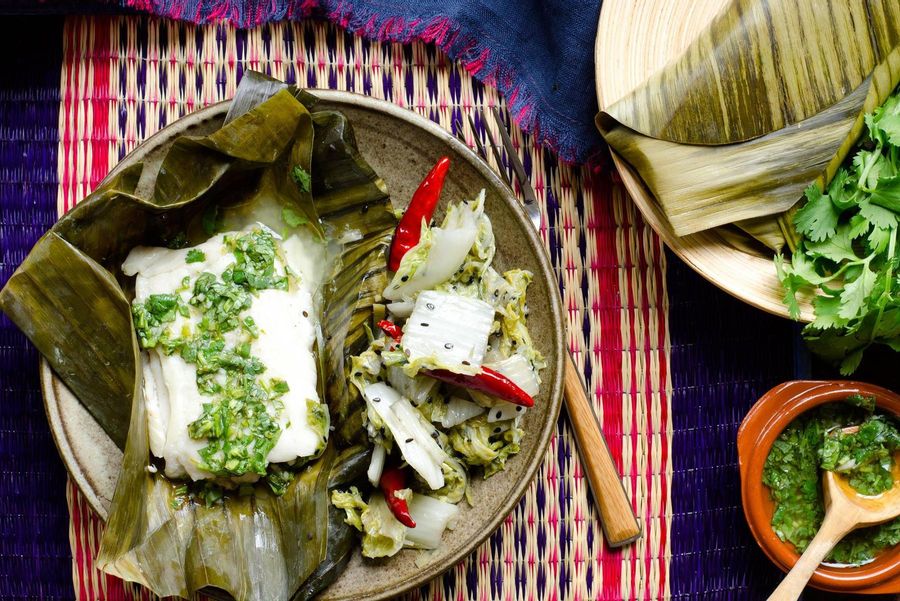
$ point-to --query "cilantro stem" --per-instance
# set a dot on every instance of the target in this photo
(864, 176)
(888, 281)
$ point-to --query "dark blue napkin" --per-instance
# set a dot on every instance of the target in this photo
(538, 53)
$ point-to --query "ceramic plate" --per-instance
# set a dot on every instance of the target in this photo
(401, 146)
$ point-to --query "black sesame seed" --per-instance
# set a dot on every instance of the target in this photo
(499, 414)
(365, 209)
(434, 434)
(305, 314)
(448, 345)
(424, 325)
(409, 440)
(429, 306)
(466, 363)
(520, 408)
(376, 400)
(496, 293)
(497, 430)
(404, 278)
(357, 374)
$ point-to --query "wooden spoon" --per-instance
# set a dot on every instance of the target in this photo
(845, 510)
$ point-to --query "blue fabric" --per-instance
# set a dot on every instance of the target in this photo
(538, 53)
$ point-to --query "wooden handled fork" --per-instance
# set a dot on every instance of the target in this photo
(620, 525)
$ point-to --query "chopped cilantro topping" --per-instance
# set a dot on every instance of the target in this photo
(195, 256)
(240, 422)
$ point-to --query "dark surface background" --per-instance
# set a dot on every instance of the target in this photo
(724, 356)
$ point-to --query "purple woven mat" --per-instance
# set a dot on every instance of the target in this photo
(35, 561)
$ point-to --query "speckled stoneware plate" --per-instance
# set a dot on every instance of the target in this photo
(401, 146)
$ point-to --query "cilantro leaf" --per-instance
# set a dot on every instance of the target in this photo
(839, 247)
(195, 256)
(302, 178)
(887, 193)
(859, 226)
(877, 215)
(847, 249)
(818, 218)
(890, 125)
(292, 217)
(879, 238)
(856, 294)
(828, 312)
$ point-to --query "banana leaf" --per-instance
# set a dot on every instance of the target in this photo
(766, 230)
(349, 468)
(766, 101)
(72, 301)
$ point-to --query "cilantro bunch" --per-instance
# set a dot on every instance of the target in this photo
(848, 251)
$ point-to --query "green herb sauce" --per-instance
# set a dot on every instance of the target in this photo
(240, 423)
(813, 442)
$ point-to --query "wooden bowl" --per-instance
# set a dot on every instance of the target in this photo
(634, 40)
(401, 146)
(762, 426)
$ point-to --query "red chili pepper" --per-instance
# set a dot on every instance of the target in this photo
(392, 480)
(391, 329)
(422, 206)
(488, 381)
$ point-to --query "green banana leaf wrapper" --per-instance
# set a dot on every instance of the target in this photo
(766, 101)
(71, 300)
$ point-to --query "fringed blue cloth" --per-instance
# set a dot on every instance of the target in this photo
(538, 53)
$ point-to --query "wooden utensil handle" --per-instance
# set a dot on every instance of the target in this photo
(617, 518)
(835, 526)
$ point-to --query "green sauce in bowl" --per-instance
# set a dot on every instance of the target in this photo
(817, 440)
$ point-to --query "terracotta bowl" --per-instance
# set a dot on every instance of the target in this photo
(763, 424)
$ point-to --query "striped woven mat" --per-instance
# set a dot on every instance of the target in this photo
(673, 363)
(124, 78)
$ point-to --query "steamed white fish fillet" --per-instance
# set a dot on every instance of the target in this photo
(287, 331)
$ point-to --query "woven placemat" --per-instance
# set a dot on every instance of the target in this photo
(673, 362)
(123, 78)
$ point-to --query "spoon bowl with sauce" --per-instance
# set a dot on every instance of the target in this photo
(845, 510)
(862, 564)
